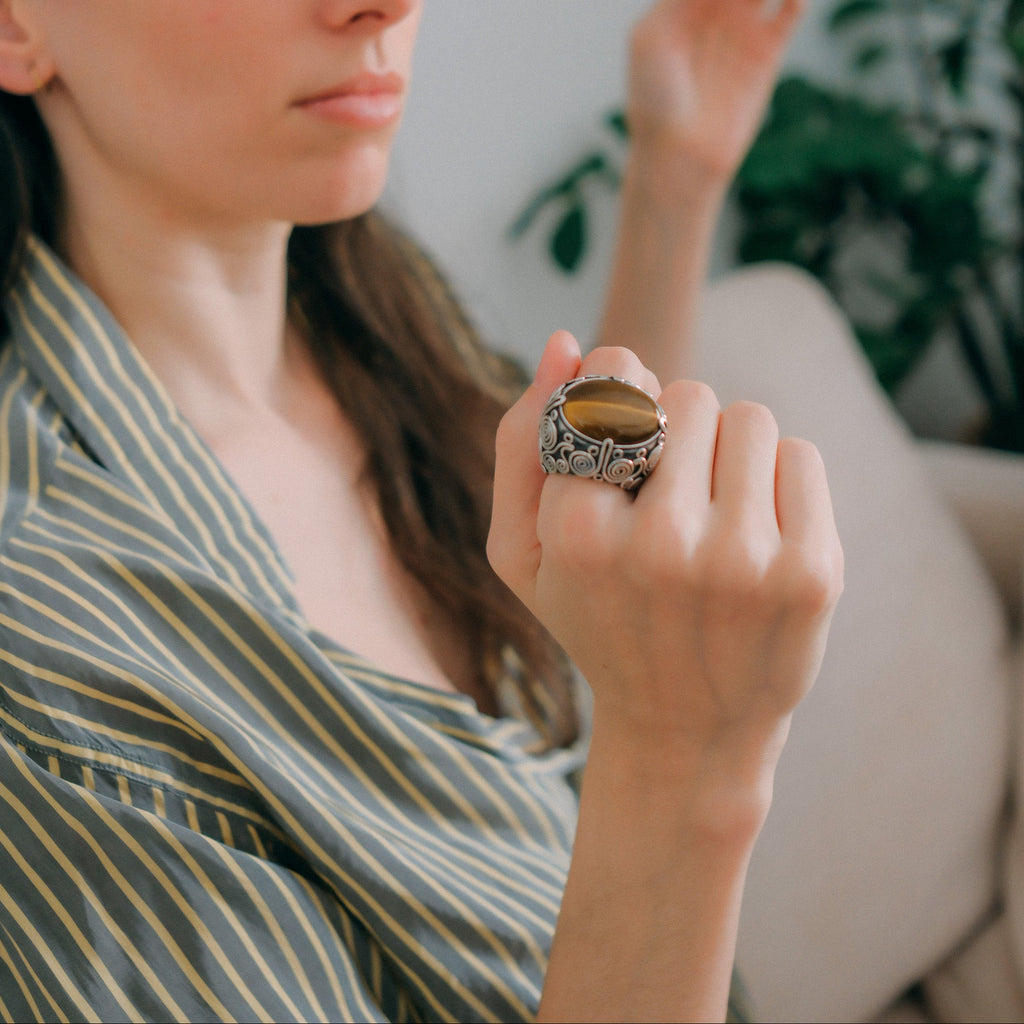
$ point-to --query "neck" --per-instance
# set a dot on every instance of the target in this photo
(206, 310)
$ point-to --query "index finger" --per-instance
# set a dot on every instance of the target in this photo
(512, 545)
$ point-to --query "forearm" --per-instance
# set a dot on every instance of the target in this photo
(701, 74)
(647, 929)
(665, 237)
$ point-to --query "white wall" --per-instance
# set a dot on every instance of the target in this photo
(505, 96)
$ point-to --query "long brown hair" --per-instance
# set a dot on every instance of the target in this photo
(410, 373)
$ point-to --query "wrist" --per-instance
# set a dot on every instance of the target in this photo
(670, 177)
(716, 785)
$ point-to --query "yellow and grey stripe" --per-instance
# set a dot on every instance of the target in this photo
(209, 810)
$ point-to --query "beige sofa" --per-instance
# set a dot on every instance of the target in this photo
(882, 862)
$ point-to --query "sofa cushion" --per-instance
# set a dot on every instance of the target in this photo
(878, 856)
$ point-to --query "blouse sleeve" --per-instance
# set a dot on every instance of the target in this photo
(112, 909)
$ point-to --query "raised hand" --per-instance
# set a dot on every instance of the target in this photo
(701, 74)
(698, 612)
(701, 604)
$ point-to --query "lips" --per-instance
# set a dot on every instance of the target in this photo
(367, 100)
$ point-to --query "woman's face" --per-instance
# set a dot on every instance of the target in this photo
(232, 109)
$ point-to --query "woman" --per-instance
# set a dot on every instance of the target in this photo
(276, 743)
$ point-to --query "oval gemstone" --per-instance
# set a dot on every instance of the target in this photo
(610, 409)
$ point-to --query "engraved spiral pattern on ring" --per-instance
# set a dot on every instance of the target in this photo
(582, 463)
(548, 433)
(564, 449)
(619, 471)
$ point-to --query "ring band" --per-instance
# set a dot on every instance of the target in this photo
(602, 428)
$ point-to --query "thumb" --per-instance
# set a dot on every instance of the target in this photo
(512, 546)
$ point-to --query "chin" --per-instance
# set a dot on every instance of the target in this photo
(341, 194)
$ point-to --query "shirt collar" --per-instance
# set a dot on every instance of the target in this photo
(131, 426)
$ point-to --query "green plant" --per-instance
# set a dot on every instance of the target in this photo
(900, 206)
(570, 239)
(893, 228)
(902, 191)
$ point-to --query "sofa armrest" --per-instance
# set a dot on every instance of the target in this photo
(986, 490)
(880, 852)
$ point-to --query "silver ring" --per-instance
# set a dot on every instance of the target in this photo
(602, 428)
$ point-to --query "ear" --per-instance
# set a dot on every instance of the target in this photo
(25, 65)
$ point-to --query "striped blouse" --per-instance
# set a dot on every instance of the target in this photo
(208, 810)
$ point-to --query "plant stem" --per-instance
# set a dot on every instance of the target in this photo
(592, 165)
(970, 345)
(922, 61)
(1008, 326)
(1015, 92)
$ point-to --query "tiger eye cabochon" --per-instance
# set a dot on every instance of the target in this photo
(606, 408)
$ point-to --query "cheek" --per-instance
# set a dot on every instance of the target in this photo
(203, 62)
(195, 110)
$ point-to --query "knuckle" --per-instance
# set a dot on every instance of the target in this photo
(618, 361)
(813, 580)
(662, 549)
(737, 568)
(799, 449)
(752, 416)
(693, 394)
(611, 352)
(611, 359)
